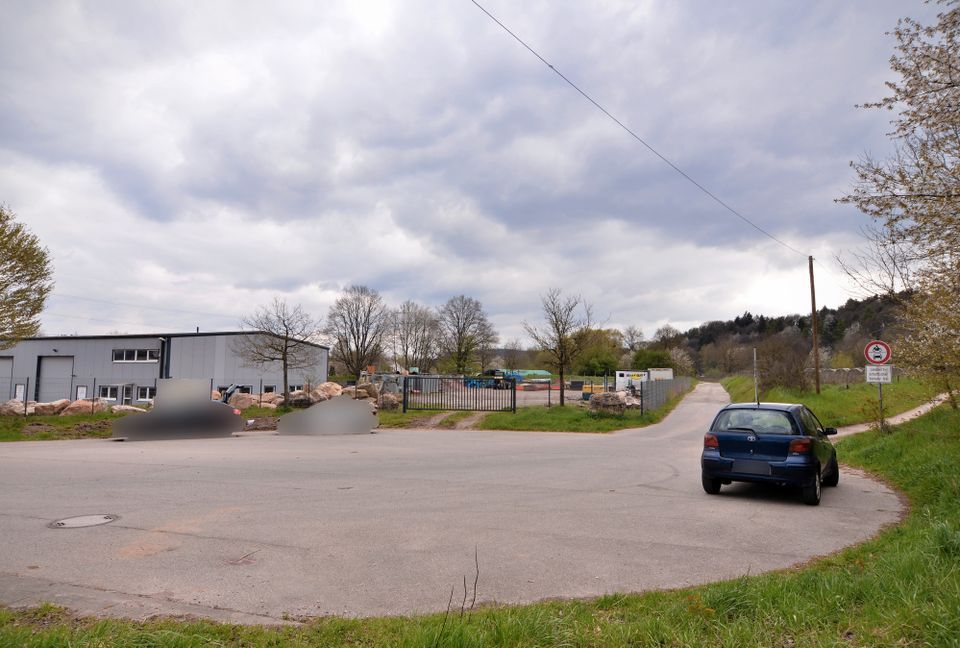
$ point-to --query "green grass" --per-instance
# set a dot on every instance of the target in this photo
(837, 405)
(259, 412)
(50, 428)
(899, 589)
(397, 419)
(573, 418)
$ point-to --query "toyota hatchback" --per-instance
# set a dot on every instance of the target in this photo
(775, 443)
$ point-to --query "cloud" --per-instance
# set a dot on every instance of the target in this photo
(197, 159)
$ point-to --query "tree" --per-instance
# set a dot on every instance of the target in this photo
(633, 338)
(463, 327)
(667, 336)
(602, 353)
(357, 323)
(914, 195)
(681, 361)
(487, 339)
(25, 280)
(932, 318)
(280, 334)
(414, 336)
(565, 333)
(512, 354)
(651, 358)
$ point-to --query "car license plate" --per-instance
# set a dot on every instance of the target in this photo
(751, 467)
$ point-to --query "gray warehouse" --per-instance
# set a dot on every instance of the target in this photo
(125, 368)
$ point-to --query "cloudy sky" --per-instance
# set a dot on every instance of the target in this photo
(186, 161)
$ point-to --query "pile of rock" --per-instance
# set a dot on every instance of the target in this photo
(613, 402)
(63, 407)
(272, 400)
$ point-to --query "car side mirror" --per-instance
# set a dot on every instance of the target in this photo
(830, 431)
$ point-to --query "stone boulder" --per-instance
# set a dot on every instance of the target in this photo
(351, 392)
(329, 389)
(371, 390)
(51, 409)
(271, 397)
(13, 408)
(243, 401)
(267, 405)
(390, 402)
(85, 406)
(300, 398)
(607, 403)
(215, 395)
(126, 409)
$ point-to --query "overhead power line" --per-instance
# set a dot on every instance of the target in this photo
(632, 134)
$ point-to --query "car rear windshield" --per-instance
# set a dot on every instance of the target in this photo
(759, 421)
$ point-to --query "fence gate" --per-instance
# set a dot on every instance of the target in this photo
(479, 394)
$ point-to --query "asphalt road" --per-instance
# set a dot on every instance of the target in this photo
(256, 528)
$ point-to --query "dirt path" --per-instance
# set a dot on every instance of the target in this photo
(895, 420)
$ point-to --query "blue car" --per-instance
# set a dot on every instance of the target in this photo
(776, 443)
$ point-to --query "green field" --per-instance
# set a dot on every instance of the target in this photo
(900, 589)
(838, 405)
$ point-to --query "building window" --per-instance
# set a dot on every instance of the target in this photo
(245, 389)
(294, 388)
(108, 392)
(136, 355)
(81, 392)
(146, 393)
(269, 389)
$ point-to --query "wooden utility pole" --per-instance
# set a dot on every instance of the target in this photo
(816, 347)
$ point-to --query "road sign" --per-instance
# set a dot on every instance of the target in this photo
(877, 352)
(878, 374)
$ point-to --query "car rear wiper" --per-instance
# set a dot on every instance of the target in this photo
(740, 429)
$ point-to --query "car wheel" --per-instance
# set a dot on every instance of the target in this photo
(833, 477)
(710, 485)
(811, 493)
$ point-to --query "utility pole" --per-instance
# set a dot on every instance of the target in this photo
(816, 347)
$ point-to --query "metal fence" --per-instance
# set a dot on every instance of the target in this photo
(466, 393)
(654, 394)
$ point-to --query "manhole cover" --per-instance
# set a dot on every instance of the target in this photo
(81, 521)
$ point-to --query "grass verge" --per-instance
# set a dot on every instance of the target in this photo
(899, 589)
(839, 405)
(397, 419)
(52, 428)
(574, 418)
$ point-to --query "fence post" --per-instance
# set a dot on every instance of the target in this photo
(26, 397)
(406, 389)
(641, 397)
(93, 397)
(261, 392)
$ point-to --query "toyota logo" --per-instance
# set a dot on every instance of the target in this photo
(751, 437)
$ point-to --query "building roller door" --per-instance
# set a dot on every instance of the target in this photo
(55, 379)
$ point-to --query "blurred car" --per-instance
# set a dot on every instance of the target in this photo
(779, 443)
(194, 420)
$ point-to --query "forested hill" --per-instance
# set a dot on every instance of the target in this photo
(873, 317)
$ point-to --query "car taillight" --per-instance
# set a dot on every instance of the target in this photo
(710, 441)
(236, 412)
(801, 446)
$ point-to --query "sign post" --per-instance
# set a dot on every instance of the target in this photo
(878, 354)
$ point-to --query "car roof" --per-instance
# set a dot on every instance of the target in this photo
(780, 407)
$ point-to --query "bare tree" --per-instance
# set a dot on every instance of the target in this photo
(565, 333)
(885, 265)
(633, 338)
(462, 324)
(358, 323)
(512, 354)
(279, 334)
(487, 339)
(25, 280)
(414, 336)
(667, 336)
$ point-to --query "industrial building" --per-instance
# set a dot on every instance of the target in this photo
(125, 368)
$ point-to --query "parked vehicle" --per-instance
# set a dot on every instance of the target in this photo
(776, 443)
